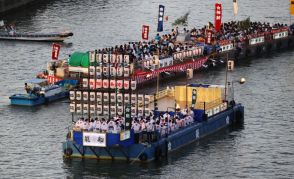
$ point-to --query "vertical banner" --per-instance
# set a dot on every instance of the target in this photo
(194, 97)
(128, 118)
(235, 5)
(291, 7)
(160, 18)
(218, 17)
(208, 36)
(145, 32)
(55, 51)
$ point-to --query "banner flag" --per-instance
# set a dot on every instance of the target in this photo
(218, 17)
(160, 18)
(55, 51)
(235, 4)
(208, 39)
(145, 32)
(291, 7)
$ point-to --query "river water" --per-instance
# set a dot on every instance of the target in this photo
(30, 138)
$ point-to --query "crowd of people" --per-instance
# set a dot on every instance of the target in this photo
(162, 45)
(165, 45)
(153, 125)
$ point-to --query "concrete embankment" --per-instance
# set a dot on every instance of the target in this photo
(7, 5)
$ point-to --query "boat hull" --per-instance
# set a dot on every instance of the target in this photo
(160, 148)
(33, 100)
(37, 39)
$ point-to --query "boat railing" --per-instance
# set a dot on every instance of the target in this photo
(168, 92)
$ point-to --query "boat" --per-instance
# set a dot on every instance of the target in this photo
(195, 53)
(210, 107)
(10, 33)
(41, 37)
(39, 91)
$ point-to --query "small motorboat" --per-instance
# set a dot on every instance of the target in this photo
(10, 33)
(39, 91)
(41, 37)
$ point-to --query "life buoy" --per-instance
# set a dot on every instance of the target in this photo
(143, 157)
(68, 152)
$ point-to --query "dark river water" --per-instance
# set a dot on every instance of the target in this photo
(30, 138)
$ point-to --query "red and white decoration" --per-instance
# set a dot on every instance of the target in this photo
(145, 32)
(55, 51)
(218, 17)
(143, 77)
(53, 79)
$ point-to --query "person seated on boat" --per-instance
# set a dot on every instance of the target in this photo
(110, 126)
(150, 129)
(163, 130)
(157, 38)
(78, 125)
(183, 122)
(97, 124)
(86, 125)
(117, 127)
(136, 127)
(192, 112)
(166, 115)
(178, 121)
(91, 125)
(188, 120)
(173, 125)
(104, 126)
(28, 88)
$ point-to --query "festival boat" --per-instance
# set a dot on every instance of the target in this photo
(199, 55)
(211, 110)
(41, 37)
(39, 91)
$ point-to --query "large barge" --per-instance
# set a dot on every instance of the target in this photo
(148, 61)
(209, 116)
(114, 120)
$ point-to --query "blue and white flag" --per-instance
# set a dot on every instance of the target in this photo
(160, 18)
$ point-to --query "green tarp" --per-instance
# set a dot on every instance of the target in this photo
(79, 59)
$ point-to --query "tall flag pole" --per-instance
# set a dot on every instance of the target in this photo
(235, 4)
(218, 17)
(160, 18)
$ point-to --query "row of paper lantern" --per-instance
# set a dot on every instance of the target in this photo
(107, 83)
(109, 58)
(106, 110)
(188, 53)
(162, 62)
(112, 97)
(112, 71)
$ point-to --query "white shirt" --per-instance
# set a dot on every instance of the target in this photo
(150, 127)
(104, 126)
(136, 127)
(98, 125)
